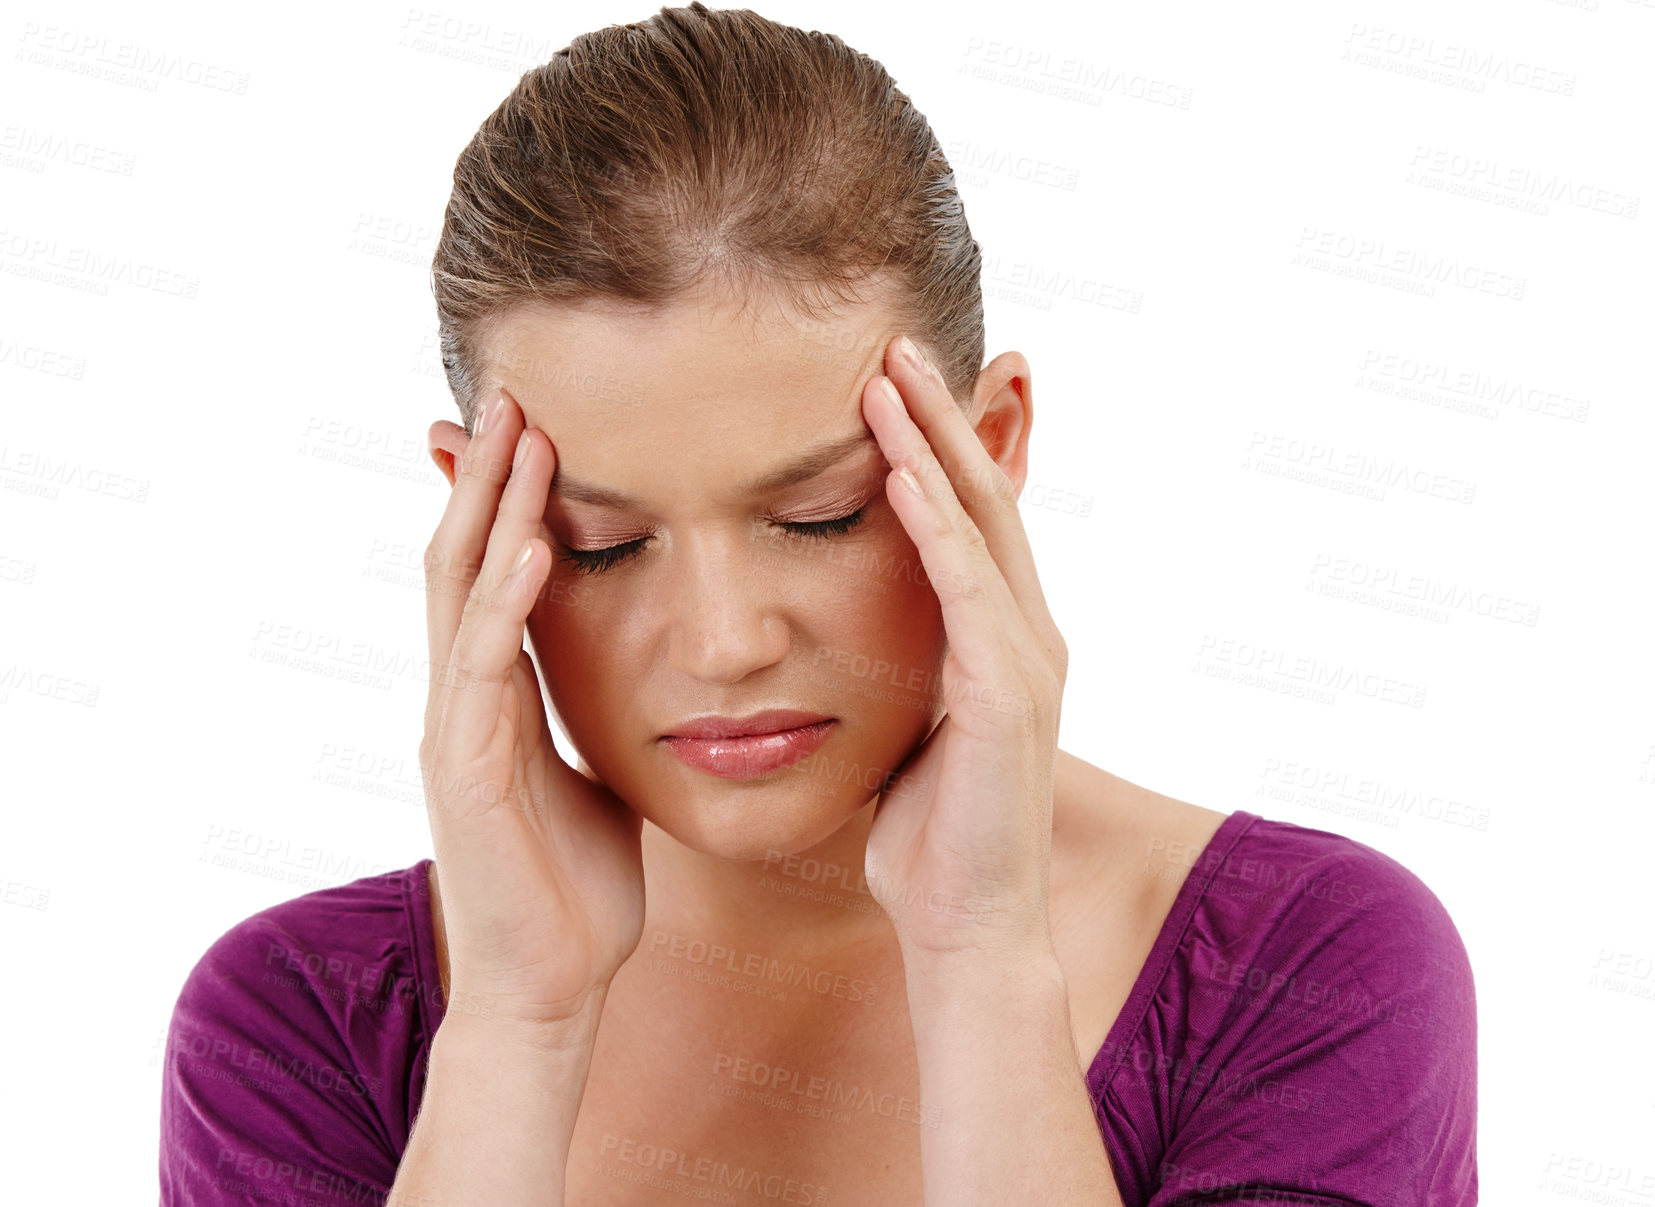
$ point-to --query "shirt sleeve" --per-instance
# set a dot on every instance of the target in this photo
(264, 1100)
(1341, 1063)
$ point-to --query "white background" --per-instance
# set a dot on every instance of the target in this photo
(1418, 464)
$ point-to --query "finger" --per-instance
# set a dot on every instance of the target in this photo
(489, 641)
(979, 485)
(977, 603)
(457, 546)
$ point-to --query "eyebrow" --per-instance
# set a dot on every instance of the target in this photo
(817, 460)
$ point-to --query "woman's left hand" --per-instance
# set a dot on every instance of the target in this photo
(959, 854)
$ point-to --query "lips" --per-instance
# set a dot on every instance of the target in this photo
(766, 743)
(770, 720)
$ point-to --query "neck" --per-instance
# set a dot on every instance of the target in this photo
(814, 900)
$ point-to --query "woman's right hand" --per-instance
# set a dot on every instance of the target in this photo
(541, 872)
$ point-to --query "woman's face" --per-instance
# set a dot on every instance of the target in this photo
(693, 438)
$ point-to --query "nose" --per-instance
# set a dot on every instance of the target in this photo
(723, 622)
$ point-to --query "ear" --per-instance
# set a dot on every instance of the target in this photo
(1002, 412)
(446, 442)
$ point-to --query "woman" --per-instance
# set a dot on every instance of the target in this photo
(823, 914)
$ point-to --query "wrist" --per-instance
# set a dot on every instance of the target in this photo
(1025, 968)
(1006, 942)
(516, 1038)
(497, 1115)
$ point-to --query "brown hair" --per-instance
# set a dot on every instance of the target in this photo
(645, 161)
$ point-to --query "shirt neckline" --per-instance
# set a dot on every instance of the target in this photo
(417, 901)
(1196, 881)
(432, 1007)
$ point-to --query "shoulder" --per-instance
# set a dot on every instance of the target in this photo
(1326, 991)
(1306, 1023)
(1299, 896)
(330, 950)
(296, 1042)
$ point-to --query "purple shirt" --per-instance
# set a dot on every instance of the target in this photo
(1303, 1032)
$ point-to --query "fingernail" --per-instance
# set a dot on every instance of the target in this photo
(489, 414)
(905, 347)
(522, 450)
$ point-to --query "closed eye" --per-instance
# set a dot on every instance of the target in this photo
(824, 528)
(596, 561)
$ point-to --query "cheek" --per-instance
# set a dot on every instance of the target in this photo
(566, 629)
(898, 601)
(877, 631)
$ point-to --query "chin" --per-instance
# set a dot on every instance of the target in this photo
(786, 812)
(755, 822)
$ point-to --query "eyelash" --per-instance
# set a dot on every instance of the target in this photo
(596, 561)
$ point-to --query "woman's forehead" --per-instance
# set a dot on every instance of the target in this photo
(767, 330)
(590, 366)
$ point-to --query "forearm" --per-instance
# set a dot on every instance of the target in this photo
(496, 1122)
(997, 1057)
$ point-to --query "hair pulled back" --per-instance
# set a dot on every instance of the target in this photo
(647, 161)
